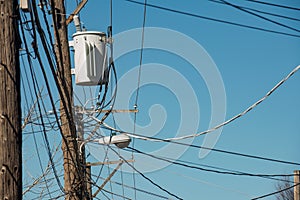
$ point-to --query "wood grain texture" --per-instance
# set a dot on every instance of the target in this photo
(10, 101)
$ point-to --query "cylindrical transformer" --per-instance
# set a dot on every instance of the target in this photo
(90, 58)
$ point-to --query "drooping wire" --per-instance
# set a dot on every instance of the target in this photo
(214, 19)
(111, 64)
(101, 105)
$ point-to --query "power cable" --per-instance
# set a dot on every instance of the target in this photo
(122, 179)
(105, 195)
(153, 139)
(137, 189)
(51, 66)
(279, 191)
(114, 194)
(144, 176)
(110, 185)
(113, 94)
(102, 166)
(210, 170)
(101, 105)
(65, 94)
(194, 179)
(259, 16)
(34, 136)
(214, 19)
(42, 35)
(234, 117)
(276, 5)
(141, 53)
(138, 84)
(34, 84)
(262, 12)
(49, 33)
(40, 163)
(204, 165)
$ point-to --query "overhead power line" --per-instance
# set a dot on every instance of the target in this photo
(137, 189)
(139, 83)
(234, 117)
(153, 139)
(141, 54)
(279, 191)
(35, 18)
(114, 194)
(209, 170)
(219, 168)
(276, 5)
(214, 19)
(35, 92)
(218, 126)
(259, 16)
(262, 12)
(144, 176)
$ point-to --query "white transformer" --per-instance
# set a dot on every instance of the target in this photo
(90, 58)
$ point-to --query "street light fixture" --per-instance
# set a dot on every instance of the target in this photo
(121, 140)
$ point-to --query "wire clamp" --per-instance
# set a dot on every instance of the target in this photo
(110, 40)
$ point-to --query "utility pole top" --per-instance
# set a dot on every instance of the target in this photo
(297, 183)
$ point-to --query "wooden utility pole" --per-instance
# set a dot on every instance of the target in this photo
(73, 169)
(88, 182)
(297, 188)
(85, 172)
(10, 100)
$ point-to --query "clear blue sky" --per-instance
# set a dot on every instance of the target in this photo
(249, 62)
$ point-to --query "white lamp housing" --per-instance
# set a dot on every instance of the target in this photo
(121, 140)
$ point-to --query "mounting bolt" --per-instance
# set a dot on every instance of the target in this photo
(3, 170)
